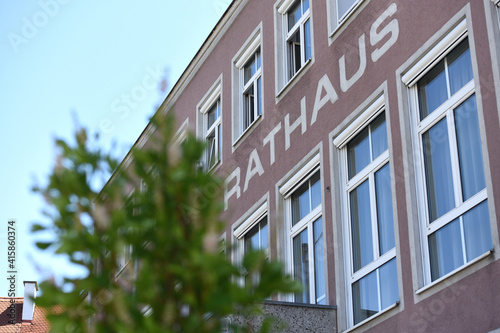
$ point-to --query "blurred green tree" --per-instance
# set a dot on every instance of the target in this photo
(153, 256)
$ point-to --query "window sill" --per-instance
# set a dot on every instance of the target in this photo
(246, 132)
(455, 271)
(358, 325)
(294, 79)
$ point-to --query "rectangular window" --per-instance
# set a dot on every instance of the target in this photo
(252, 234)
(372, 280)
(247, 87)
(306, 236)
(297, 36)
(209, 125)
(453, 207)
(212, 134)
(252, 90)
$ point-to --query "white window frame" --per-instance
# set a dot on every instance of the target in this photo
(213, 97)
(286, 190)
(418, 127)
(368, 173)
(244, 55)
(283, 73)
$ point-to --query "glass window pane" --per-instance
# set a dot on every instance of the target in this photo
(445, 250)
(477, 231)
(301, 266)
(248, 107)
(305, 6)
(389, 292)
(211, 153)
(344, 6)
(211, 117)
(459, 66)
(362, 240)
(307, 39)
(379, 136)
(213, 114)
(365, 297)
(358, 153)
(294, 57)
(294, 14)
(384, 209)
(315, 190)
(432, 90)
(306, 198)
(469, 148)
(251, 239)
(319, 261)
(247, 71)
(437, 165)
(257, 59)
(264, 234)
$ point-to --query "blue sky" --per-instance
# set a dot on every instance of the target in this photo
(101, 61)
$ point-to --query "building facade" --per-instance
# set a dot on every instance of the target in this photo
(360, 144)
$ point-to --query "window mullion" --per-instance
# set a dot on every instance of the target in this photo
(455, 165)
(255, 100)
(302, 45)
(312, 280)
(379, 291)
(370, 142)
(373, 214)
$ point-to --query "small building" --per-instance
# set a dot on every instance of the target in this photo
(360, 144)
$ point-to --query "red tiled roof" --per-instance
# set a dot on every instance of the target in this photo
(39, 324)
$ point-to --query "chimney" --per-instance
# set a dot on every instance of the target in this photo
(30, 289)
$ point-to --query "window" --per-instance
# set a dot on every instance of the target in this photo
(252, 234)
(212, 135)
(209, 126)
(372, 282)
(453, 203)
(252, 90)
(247, 85)
(305, 225)
(294, 41)
(298, 37)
